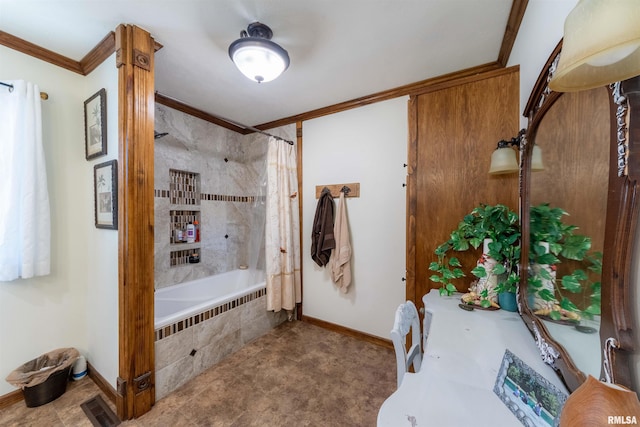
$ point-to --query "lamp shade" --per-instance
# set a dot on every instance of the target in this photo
(256, 56)
(536, 159)
(601, 45)
(503, 160)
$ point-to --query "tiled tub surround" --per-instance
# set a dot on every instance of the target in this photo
(230, 167)
(187, 347)
(224, 223)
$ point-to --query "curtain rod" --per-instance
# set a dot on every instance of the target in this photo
(232, 122)
(251, 128)
(43, 95)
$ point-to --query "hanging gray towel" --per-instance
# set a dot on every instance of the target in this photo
(322, 240)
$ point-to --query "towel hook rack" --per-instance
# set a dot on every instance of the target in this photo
(349, 190)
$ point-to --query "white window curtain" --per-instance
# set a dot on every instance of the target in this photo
(282, 228)
(25, 225)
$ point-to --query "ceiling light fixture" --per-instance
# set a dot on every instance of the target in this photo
(601, 45)
(256, 56)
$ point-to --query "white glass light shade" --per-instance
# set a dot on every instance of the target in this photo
(503, 160)
(259, 59)
(601, 45)
(536, 159)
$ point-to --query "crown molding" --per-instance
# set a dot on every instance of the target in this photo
(95, 57)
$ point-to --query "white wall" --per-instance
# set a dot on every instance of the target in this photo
(66, 308)
(366, 145)
(541, 30)
(101, 310)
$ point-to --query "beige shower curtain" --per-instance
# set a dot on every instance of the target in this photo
(282, 227)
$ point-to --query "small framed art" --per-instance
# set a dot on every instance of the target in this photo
(95, 125)
(105, 185)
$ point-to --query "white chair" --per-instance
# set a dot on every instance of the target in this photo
(426, 328)
(407, 320)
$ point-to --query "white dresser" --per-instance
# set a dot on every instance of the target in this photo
(463, 354)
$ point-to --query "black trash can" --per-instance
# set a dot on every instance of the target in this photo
(50, 390)
(44, 378)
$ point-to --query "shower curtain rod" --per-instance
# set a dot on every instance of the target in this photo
(231, 122)
(251, 128)
(43, 95)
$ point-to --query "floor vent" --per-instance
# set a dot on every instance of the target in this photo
(99, 412)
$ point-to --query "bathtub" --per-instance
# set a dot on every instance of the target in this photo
(188, 299)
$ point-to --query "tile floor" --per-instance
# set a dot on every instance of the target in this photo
(296, 375)
(62, 412)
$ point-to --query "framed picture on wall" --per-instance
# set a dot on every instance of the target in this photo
(105, 185)
(95, 125)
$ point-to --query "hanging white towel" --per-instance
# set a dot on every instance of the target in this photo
(341, 256)
(25, 229)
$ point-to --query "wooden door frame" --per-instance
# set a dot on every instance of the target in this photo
(412, 203)
(135, 392)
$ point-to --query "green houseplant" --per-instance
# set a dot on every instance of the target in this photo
(495, 222)
(555, 244)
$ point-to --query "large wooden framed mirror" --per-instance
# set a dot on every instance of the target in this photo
(576, 299)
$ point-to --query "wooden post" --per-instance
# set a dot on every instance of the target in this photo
(134, 59)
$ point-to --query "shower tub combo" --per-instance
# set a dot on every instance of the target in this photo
(198, 323)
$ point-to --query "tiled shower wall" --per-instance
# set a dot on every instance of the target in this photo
(230, 167)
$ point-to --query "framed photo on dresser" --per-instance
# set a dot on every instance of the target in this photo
(530, 396)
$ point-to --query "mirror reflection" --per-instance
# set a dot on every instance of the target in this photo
(568, 201)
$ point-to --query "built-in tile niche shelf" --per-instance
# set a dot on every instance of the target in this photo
(184, 188)
(184, 257)
(184, 197)
(179, 221)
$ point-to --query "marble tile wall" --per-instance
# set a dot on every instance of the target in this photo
(230, 166)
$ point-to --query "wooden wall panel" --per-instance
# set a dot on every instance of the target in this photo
(457, 129)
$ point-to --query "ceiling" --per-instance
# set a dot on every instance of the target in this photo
(340, 50)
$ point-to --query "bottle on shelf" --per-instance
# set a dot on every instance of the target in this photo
(197, 226)
(191, 233)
